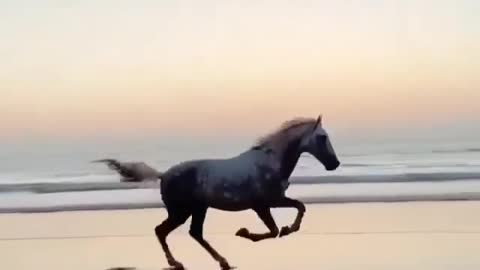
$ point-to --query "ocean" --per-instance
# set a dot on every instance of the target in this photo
(60, 177)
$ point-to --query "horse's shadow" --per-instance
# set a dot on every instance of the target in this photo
(135, 268)
(132, 268)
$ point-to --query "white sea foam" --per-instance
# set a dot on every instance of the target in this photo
(317, 193)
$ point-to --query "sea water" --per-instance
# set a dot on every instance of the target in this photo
(52, 176)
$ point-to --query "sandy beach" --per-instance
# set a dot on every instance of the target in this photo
(420, 235)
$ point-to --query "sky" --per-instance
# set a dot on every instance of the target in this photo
(87, 69)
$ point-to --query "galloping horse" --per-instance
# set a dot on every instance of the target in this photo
(255, 179)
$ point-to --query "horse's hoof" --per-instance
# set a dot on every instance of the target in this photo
(225, 266)
(284, 231)
(243, 232)
(175, 266)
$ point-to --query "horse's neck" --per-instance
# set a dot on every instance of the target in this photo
(289, 158)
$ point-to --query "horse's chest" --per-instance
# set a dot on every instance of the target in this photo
(284, 184)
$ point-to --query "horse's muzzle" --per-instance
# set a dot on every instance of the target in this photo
(331, 166)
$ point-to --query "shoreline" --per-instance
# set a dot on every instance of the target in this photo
(463, 196)
(58, 187)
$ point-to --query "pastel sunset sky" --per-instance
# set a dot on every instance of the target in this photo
(73, 69)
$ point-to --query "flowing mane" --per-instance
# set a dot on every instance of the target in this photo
(288, 130)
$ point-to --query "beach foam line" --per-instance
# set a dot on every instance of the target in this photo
(295, 180)
(73, 187)
(387, 178)
(461, 196)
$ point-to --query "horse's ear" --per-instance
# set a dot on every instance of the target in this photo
(318, 123)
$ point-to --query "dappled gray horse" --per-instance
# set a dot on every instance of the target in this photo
(255, 179)
(132, 171)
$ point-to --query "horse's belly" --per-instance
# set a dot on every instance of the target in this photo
(233, 189)
(230, 202)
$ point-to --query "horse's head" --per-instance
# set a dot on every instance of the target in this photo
(317, 142)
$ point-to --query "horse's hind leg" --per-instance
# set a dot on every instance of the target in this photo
(287, 202)
(174, 220)
(266, 216)
(196, 231)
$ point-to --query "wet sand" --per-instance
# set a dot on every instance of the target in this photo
(419, 235)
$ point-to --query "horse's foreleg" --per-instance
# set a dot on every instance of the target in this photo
(196, 231)
(287, 202)
(266, 216)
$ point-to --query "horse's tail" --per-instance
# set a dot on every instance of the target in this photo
(106, 160)
(111, 163)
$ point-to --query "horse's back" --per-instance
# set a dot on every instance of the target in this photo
(230, 184)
